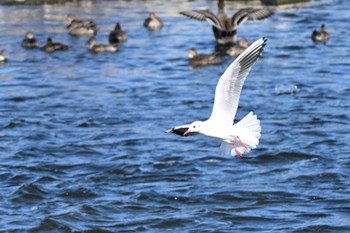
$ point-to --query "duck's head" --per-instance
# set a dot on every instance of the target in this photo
(29, 35)
(49, 41)
(323, 28)
(192, 53)
(92, 41)
(70, 18)
(118, 27)
(221, 5)
(244, 43)
(315, 33)
(152, 15)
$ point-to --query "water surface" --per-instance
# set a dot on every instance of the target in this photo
(82, 142)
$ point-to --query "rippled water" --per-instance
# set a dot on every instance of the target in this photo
(82, 142)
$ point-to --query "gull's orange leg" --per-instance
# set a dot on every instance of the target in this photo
(236, 150)
(242, 143)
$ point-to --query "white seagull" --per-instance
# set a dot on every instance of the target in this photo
(236, 138)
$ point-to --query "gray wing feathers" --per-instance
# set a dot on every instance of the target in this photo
(231, 82)
(259, 14)
(203, 15)
(249, 14)
(238, 18)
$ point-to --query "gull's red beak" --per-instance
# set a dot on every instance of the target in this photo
(187, 132)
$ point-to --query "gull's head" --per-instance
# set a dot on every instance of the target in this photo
(195, 127)
(192, 53)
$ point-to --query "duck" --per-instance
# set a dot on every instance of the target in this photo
(97, 48)
(198, 60)
(80, 27)
(224, 26)
(117, 35)
(236, 50)
(82, 31)
(29, 41)
(3, 58)
(153, 22)
(51, 46)
(320, 36)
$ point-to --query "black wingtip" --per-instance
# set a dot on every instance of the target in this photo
(265, 40)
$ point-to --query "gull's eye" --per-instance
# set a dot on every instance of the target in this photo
(194, 126)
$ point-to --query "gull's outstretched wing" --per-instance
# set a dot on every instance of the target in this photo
(249, 14)
(204, 15)
(230, 84)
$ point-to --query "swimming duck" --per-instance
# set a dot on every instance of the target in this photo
(2, 56)
(225, 27)
(153, 22)
(236, 50)
(197, 60)
(29, 41)
(80, 27)
(117, 35)
(51, 46)
(320, 36)
(96, 48)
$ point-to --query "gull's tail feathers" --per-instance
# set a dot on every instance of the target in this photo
(246, 134)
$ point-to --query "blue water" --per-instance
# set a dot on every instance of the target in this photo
(82, 142)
